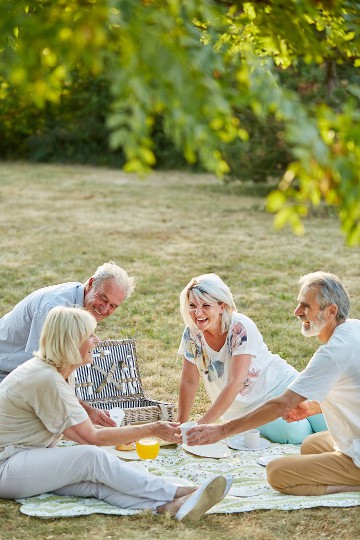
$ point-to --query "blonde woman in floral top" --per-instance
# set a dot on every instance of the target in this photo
(226, 349)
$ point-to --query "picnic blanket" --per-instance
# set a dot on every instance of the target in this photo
(176, 462)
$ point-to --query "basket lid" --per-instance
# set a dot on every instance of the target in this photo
(114, 372)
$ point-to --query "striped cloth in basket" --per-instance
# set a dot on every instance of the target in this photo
(113, 380)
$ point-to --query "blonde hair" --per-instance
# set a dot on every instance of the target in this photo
(208, 287)
(64, 330)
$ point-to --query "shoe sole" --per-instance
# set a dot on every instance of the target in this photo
(213, 493)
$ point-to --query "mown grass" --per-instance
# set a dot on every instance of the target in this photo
(58, 223)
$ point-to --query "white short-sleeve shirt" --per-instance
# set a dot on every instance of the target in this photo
(268, 374)
(332, 377)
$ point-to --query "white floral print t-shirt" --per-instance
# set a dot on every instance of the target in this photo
(268, 375)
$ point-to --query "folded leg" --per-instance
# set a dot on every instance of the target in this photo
(317, 471)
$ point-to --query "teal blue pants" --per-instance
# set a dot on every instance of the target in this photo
(280, 431)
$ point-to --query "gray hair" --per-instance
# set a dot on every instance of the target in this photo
(330, 291)
(208, 287)
(111, 270)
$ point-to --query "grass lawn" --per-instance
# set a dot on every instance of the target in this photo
(58, 223)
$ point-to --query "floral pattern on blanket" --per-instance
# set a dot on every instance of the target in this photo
(176, 462)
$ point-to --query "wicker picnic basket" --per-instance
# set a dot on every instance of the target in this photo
(113, 380)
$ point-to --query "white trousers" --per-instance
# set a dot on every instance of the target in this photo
(84, 471)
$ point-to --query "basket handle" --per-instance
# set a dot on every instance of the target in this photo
(164, 412)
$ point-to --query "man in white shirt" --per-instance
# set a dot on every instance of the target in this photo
(20, 329)
(330, 460)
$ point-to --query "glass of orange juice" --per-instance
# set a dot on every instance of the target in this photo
(147, 448)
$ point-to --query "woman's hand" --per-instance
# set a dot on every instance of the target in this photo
(168, 431)
(87, 433)
(97, 416)
(101, 418)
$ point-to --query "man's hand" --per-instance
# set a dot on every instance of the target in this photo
(205, 434)
(303, 410)
(168, 431)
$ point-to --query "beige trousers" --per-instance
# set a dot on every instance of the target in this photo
(318, 466)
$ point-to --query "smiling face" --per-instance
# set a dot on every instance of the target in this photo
(315, 320)
(102, 300)
(86, 348)
(205, 314)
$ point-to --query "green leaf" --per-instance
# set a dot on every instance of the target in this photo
(275, 201)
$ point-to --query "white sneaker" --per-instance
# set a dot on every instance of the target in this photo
(206, 496)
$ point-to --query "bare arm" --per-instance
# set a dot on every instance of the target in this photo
(189, 383)
(86, 433)
(279, 406)
(239, 369)
(303, 410)
(97, 416)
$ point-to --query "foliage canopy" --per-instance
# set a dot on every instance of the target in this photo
(196, 65)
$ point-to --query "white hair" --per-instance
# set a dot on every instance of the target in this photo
(111, 270)
(330, 291)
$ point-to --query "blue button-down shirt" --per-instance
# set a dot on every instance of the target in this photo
(20, 329)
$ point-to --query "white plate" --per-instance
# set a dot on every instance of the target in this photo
(237, 443)
(177, 481)
(129, 455)
(216, 451)
(264, 460)
(243, 492)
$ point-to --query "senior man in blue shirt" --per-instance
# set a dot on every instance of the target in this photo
(20, 329)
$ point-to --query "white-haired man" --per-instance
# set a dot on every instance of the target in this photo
(20, 329)
(330, 460)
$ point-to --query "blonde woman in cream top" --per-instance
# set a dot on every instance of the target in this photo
(38, 406)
